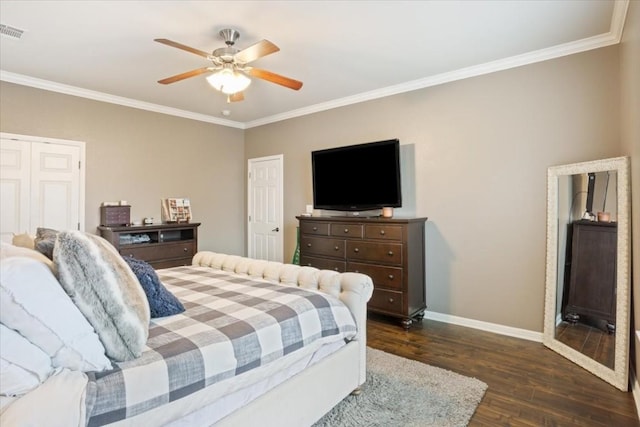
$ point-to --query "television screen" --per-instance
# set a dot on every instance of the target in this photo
(357, 177)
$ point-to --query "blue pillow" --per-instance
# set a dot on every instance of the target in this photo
(161, 302)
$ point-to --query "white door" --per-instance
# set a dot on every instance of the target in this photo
(15, 168)
(42, 184)
(55, 186)
(265, 205)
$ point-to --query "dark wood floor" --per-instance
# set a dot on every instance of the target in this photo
(588, 340)
(529, 385)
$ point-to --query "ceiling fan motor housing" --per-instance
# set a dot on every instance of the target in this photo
(226, 53)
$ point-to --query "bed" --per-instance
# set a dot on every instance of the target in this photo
(257, 340)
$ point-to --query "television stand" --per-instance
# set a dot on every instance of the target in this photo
(355, 216)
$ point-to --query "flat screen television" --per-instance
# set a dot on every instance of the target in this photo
(357, 177)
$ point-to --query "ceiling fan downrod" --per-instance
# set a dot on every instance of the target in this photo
(230, 36)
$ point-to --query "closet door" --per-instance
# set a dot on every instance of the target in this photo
(15, 167)
(55, 186)
(41, 184)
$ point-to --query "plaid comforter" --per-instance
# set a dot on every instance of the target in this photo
(231, 325)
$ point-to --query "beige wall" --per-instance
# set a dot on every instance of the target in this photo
(475, 157)
(141, 157)
(630, 135)
(480, 149)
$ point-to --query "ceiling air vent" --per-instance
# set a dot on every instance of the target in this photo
(12, 32)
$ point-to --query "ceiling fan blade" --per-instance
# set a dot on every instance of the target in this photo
(255, 51)
(183, 47)
(235, 97)
(183, 76)
(275, 78)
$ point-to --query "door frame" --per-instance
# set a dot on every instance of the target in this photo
(82, 168)
(250, 162)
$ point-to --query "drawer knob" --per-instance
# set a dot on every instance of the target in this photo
(390, 253)
(390, 300)
(186, 249)
(356, 250)
(308, 245)
(337, 248)
(346, 230)
(315, 228)
(391, 277)
(336, 268)
(382, 232)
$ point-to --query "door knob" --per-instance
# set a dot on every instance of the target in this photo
(276, 229)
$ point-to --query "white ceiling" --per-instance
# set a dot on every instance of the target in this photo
(343, 51)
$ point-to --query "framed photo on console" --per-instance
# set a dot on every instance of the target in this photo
(176, 210)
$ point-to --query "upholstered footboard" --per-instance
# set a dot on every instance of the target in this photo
(354, 289)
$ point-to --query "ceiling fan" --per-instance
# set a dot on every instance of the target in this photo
(230, 66)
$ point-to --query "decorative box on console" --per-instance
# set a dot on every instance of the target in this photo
(115, 215)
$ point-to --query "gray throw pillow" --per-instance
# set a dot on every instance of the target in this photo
(45, 241)
(106, 291)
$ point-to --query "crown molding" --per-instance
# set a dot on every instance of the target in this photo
(612, 37)
(112, 99)
(590, 43)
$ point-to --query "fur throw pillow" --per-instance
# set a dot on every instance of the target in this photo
(105, 290)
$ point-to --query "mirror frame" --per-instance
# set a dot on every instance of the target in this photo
(619, 375)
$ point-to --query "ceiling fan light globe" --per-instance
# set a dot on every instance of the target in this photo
(228, 81)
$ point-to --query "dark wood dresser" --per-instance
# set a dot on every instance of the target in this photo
(592, 281)
(389, 250)
(161, 245)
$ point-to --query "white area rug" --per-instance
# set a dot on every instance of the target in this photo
(403, 392)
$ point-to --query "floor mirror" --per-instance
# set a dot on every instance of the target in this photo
(587, 296)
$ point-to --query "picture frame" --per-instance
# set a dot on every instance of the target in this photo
(176, 210)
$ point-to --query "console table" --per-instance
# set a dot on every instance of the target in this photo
(161, 245)
(389, 250)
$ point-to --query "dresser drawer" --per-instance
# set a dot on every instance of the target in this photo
(171, 263)
(319, 246)
(383, 232)
(157, 252)
(382, 276)
(323, 263)
(387, 301)
(346, 230)
(386, 253)
(317, 228)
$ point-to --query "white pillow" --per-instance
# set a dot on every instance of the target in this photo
(24, 240)
(33, 303)
(59, 402)
(8, 250)
(23, 366)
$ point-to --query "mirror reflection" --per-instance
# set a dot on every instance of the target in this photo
(587, 295)
(587, 236)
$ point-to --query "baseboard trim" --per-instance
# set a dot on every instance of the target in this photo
(485, 326)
